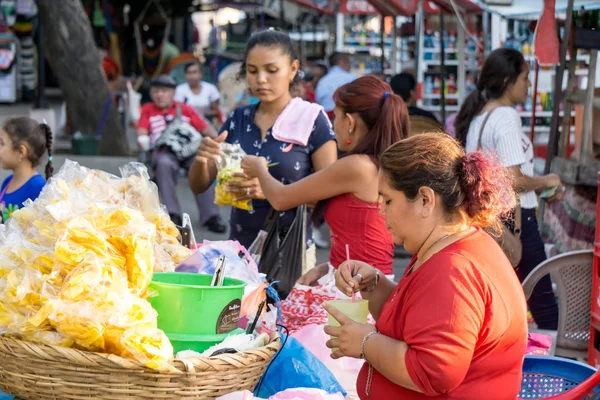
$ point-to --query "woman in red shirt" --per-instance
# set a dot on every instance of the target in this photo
(369, 118)
(455, 326)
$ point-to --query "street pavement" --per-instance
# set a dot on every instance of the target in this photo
(112, 164)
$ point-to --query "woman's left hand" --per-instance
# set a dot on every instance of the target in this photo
(252, 164)
(246, 189)
(558, 195)
(348, 336)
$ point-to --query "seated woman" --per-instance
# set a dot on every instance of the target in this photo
(455, 327)
(368, 119)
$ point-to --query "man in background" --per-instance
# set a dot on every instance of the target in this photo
(317, 71)
(154, 119)
(339, 74)
(404, 85)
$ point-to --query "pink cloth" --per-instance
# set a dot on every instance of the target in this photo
(295, 124)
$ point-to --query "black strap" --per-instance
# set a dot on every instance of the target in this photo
(483, 126)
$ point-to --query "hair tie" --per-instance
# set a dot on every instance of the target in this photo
(385, 95)
(49, 158)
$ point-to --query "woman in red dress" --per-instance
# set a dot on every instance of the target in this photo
(369, 119)
(455, 326)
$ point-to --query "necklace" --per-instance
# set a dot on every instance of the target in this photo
(430, 247)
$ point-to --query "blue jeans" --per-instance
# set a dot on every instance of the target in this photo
(542, 302)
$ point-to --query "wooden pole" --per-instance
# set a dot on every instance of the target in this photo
(557, 94)
(534, 101)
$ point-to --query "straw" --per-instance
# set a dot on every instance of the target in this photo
(350, 269)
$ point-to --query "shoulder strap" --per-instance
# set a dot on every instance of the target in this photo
(517, 221)
(483, 126)
(5, 189)
(178, 115)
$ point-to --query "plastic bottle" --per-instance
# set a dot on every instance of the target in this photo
(528, 103)
(538, 103)
(363, 36)
(452, 45)
(451, 85)
(428, 87)
(436, 85)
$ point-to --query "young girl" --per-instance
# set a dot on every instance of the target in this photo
(270, 67)
(23, 142)
(488, 120)
(369, 118)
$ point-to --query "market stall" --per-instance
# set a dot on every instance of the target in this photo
(91, 285)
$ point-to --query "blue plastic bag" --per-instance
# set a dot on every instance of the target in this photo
(296, 367)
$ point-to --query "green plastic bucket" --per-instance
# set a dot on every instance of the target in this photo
(198, 343)
(86, 145)
(187, 304)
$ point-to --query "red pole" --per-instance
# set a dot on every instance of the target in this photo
(534, 101)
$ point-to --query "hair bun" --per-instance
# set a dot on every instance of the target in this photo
(486, 186)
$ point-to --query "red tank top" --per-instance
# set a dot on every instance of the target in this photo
(359, 225)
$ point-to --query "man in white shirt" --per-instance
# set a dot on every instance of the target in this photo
(339, 74)
(201, 96)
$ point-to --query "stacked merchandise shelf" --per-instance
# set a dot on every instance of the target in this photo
(464, 52)
(432, 61)
(594, 346)
(364, 43)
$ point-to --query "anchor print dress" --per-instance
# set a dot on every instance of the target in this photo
(293, 166)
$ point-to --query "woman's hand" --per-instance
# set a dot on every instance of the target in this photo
(245, 189)
(252, 164)
(553, 180)
(311, 277)
(210, 149)
(359, 276)
(348, 337)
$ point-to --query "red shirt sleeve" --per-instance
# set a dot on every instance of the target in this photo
(144, 122)
(442, 330)
(195, 120)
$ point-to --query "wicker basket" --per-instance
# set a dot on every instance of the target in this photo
(31, 371)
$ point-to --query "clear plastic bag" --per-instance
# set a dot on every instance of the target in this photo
(75, 264)
(230, 163)
(204, 261)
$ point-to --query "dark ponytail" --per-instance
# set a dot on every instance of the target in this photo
(500, 70)
(48, 134)
(472, 106)
(384, 113)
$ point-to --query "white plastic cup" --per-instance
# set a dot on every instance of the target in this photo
(357, 310)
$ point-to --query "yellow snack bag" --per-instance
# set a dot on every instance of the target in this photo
(230, 163)
(224, 198)
(149, 346)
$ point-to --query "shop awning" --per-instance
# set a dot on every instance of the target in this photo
(463, 6)
(324, 6)
(409, 7)
(532, 9)
(395, 7)
(357, 7)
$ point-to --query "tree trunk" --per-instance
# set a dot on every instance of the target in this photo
(75, 60)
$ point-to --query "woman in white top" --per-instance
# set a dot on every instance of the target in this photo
(504, 82)
(201, 96)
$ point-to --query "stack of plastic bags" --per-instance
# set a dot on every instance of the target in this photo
(75, 265)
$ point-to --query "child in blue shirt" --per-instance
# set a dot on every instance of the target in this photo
(23, 142)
